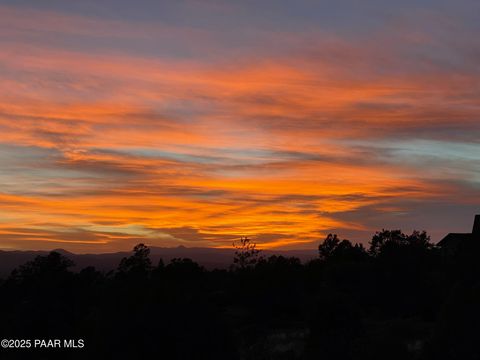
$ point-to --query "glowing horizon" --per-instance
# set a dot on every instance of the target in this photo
(196, 123)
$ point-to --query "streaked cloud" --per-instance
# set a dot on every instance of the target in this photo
(173, 132)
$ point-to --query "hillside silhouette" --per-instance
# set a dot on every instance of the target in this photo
(401, 297)
(210, 258)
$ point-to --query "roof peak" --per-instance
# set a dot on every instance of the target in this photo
(476, 225)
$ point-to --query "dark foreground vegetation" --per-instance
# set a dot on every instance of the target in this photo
(400, 298)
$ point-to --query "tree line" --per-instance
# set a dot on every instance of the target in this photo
(401, 297)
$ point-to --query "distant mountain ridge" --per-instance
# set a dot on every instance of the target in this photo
(210, 258)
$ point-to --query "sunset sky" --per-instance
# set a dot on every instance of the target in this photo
(196, 122)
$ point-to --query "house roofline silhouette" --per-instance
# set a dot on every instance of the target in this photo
(453, 240)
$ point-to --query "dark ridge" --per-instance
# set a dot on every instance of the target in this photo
(210, 258)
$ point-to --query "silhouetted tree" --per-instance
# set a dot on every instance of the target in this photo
(333, 248)
(246, 253)
(139, 263)
(387, 240)
(328, 246)
(183, 267)
(43, 267)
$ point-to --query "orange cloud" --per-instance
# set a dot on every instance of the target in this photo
(117, 148)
